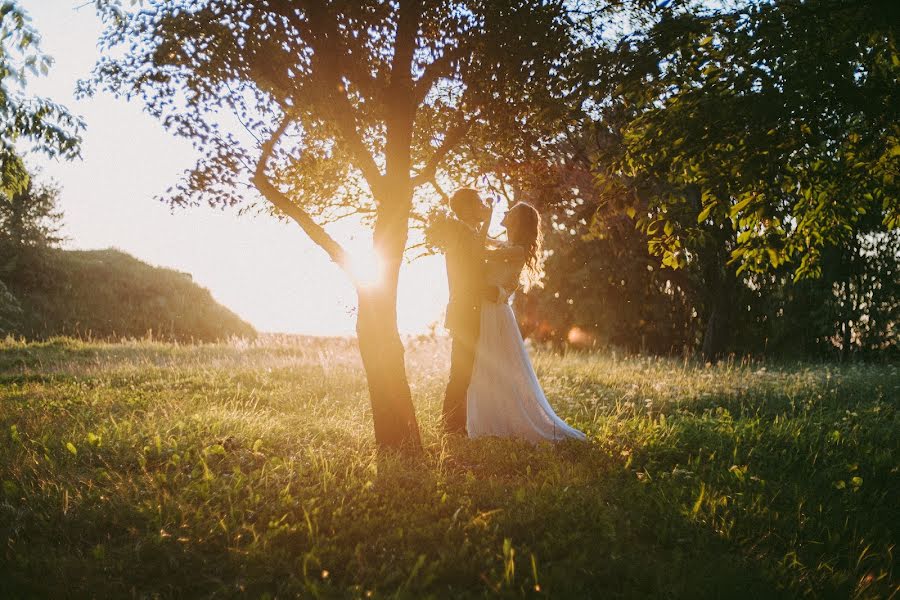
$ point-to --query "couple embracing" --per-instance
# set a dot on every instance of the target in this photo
(493, 390)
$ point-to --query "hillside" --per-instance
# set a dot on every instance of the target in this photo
(105, 294)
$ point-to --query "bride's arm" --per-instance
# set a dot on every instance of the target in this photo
(505, 254)
(493, 244)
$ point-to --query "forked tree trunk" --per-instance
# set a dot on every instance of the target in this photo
(379, 341)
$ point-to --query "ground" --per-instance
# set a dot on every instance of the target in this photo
(249, 470)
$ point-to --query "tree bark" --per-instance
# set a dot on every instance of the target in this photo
(383, 359)
(720, 289)
(379, 339)
(720, 293)
(715, 334)
(846, 322)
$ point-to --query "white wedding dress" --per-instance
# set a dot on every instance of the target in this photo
(505, 398)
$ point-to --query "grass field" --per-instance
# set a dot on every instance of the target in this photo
(152, 470)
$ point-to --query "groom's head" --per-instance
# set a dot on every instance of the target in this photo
(468, 206)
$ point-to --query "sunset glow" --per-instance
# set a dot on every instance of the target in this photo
(269, 273)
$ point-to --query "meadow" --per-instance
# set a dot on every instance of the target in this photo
(154, 470)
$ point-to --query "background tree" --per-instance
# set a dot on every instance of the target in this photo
(753, 146)
(30, 225)
(28, 121)
(346, 108)
(777, 120)
(602, 286)
(31, 218)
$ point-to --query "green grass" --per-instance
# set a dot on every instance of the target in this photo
(153, 470)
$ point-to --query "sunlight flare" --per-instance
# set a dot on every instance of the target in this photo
(367, 270)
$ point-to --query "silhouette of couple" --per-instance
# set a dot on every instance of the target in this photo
(492, 389)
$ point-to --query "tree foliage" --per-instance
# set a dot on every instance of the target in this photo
(751, 148)
(333, 100)
(31, 218)
(777, 120)
(27, 122)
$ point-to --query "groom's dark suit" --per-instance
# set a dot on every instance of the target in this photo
(464, 250)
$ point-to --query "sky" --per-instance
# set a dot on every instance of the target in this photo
(267, 272)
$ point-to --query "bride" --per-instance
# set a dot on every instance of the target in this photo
(504, 397)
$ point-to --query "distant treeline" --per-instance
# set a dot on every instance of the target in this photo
(612, 292)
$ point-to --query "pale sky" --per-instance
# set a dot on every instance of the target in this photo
(267, 272)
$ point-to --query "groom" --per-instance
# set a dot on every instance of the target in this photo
(462, 239)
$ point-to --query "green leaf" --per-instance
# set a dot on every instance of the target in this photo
(630, 211)
(737, 208)
(704, 214)
(214, 450)
(699, 503)
(71, 448)
(705, 40)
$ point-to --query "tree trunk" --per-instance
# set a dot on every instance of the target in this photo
(383, 359)
(376, 327)
(721, 292)
(846, 324)
(715, 333)
(721, 289)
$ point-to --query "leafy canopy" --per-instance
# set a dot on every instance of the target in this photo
(778, 120)
(337, 108)
(27, 122)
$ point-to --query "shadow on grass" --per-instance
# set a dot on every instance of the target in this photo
(466, 519)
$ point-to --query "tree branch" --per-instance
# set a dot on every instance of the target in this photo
(437, 69)
(452, 138)
(326, 50)
(344, 116)
(437, 188)
(400, 108)
(354, 69)
(409, 14)
(278, 199)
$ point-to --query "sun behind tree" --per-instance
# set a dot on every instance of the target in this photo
(344, 108)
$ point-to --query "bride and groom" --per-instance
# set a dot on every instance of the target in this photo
(493, 389)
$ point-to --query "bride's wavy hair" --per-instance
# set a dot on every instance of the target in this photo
(527, 233)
